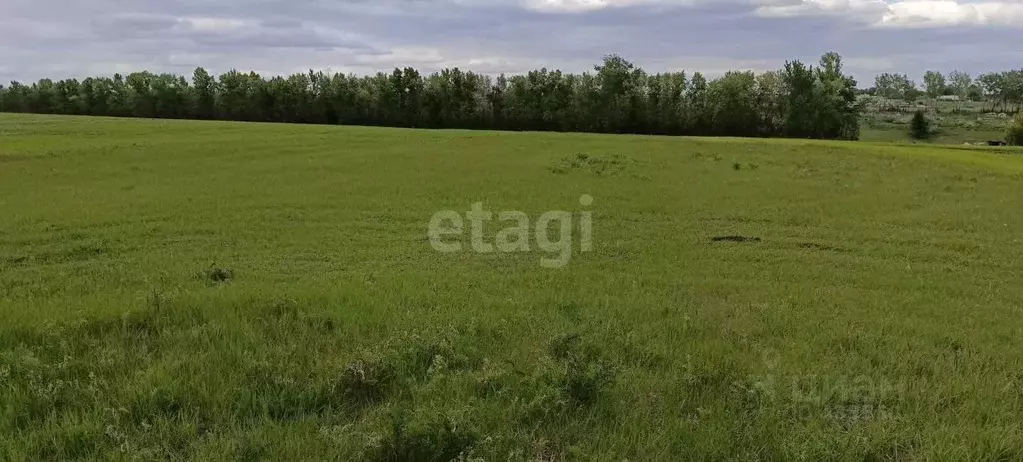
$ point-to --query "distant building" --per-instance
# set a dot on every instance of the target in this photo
(948, 98)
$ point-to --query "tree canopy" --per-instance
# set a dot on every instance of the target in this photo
(616, 97)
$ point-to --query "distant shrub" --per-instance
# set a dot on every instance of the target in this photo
(1015, 135)
(215, 275)
(599, 165)
(920, 126)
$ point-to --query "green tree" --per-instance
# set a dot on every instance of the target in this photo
(1013, 83)
(960, 82)
(697, 107)
(733, 105)
(43, 98)
(884, 90)
(618, 97)
(119, 102)
(920, 126)
(14, 98)
(799, 82)
(770, 102)
(204, 94)
(140, 94)
(619, 92)
(1015, 134)
(934, 84)
(995, 89)
(838, 111)
(170, 96)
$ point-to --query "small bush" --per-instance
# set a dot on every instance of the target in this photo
(365, 382)
(423, 437)
(584, 382)
(598, 165)
(215, 275)
(1015, 135)
(920, 126)
(585, 372)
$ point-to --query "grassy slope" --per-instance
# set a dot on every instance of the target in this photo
(946, 136)
(951, 128)
(879, 317)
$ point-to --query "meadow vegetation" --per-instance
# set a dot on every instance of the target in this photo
(220, 290)
(1015, 133)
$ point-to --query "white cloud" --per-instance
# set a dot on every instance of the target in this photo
(577, 6)
(907, 13)
(793, 8)
(57, 38)
(215, 24)
(934, 13)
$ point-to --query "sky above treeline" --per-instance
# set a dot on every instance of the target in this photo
(61, 38)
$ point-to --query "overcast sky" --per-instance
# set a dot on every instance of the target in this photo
(79, 38)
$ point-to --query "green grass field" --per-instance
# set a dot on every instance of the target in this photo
(245, 291)
(949, 128)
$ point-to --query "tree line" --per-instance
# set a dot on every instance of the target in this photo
(1003, 90)
(799, 100)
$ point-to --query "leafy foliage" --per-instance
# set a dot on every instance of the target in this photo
(895, 87)
(1015, 135)
(821, 101)
(617, 97)
(935, 84)
(920, 126)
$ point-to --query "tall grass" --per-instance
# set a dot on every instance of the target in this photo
(224, 290)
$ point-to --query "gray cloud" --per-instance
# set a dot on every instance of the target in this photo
(54, 38)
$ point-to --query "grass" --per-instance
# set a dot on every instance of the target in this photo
(950, 128)
(230, 290)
